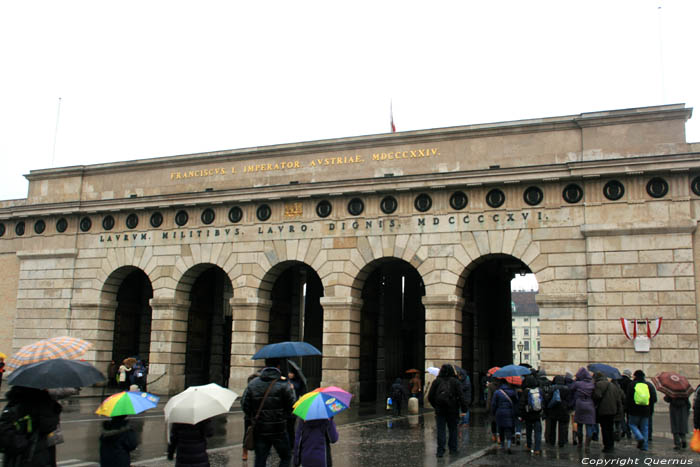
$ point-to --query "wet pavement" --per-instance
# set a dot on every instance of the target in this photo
(369, 436)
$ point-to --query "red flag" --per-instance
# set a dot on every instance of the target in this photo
(391, 112)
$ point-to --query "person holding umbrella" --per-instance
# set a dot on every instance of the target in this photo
(676, 390)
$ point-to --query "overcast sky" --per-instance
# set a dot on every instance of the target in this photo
(161, 78)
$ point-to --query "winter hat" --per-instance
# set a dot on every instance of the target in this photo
(639, 374)
(569, 375)
(627, 372)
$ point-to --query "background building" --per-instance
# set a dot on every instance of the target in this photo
(526, 328)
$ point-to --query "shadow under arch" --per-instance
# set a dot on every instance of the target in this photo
(392, 325)
(295, 289)
(208, 290)
(129, 289)
(487, 331)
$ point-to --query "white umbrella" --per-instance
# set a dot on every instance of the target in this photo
(198, 403)
(433, 371)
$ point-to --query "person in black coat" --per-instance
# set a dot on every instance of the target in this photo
(271, 426)
(45, 414)
(398, 394)
(558, 413)
(447, 413)
(531, 416)
(188, 444)
(117, 441)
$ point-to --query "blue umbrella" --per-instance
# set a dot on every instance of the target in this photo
(286, 349)
(607, 370)
(511, 370)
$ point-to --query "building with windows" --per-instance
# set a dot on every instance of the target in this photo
(387, 252)
(526, 328)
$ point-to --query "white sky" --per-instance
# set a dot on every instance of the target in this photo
(161, 78)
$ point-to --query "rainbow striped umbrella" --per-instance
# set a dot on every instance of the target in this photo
(322, 403)
(127, 403)
(66, 347)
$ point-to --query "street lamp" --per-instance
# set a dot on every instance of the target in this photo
(520, 349)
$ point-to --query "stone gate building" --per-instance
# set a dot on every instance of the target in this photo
(387, 252)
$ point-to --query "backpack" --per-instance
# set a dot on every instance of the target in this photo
(396, 394)
(534, 400)
(443, 398)
(15, 431)
(555, 401)
(641, 394)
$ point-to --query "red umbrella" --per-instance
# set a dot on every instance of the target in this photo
(493, 370)
(413, 370)
(672, 384)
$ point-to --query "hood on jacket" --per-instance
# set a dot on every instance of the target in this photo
(271, 373)
(559, 380)
(583, 375)
(447, 370)
(530, 381)
(598, 376)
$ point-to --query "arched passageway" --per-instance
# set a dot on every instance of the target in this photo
(208, 351)
(392, 328)
(296, 314)
(487, 314)
(132, 319)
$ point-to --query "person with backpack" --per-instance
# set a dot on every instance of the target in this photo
(398, 394)
(447, 399)
(605, 398)
(625, 381)
(640, 395)
(584, 409)
(558, 412)
(26, 421)
(466, 385)
(530, 410)
(504, 410)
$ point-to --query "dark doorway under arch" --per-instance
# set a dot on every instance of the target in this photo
(487, 331)
(296, 314)
(132, 319)
(209, 323)
(392, 327)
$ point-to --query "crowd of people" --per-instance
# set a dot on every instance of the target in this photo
(597, 407)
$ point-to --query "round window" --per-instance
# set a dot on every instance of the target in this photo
(657, 187)
(356, 206)
(108, 222)
(324, 208)
(263, 212)
(181, 218)
(85, 224)
(572, 193)
(614, 190)
(2, 229)
(495, 198)
(132, 220)
(423, 202)
(458, 200)
(156, 219)
(388, 205)
(208, 216)
(61, 224)
(19, 228)
(533, 196)
(695, 186)
(235, 214)
(39, 226)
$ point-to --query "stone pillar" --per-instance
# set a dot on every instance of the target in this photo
(166, 362)
(564, 338)
(93, 321)
(341, 343)
(443, 329)
(251, 323)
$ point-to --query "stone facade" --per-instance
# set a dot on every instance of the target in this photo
(601, 207)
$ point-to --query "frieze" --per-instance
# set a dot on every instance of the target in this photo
(364, 226)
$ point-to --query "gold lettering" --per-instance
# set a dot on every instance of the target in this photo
(375, 157)
(296, 164)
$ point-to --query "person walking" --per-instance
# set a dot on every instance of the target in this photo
(679, 410)
(466, 386)
(271, 426)
(558, 412)
(398, 394)
(584, 409)
(117, 441)
(639, 397)
(492, 386)
(246, 422)
(188, 443)
(123, 372)
(312, 443)
(503, 408)
(45, 415)
(530, 410)
(624, 382)
(606, 399)
(416, 387)
(447, 399)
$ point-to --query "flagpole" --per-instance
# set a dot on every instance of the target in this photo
(391, 116)
(55, 133)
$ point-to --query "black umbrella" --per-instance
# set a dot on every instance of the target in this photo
(56, 373)
(285, 350)
(297, 369)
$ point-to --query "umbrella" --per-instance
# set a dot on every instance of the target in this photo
(607, 370)
(493, 370)
(297, 369)
(56, 373)
(672, 384)
(511, 370)
(3, 356)
(433, 370)
(127, 403)
(198, 403)
(322, 403)
(286, 349)
(413, 370)
(514, 380)
(56, 347)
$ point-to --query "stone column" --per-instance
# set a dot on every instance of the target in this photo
(93, 321)
(166, 369)
(251, 323)
(443, 329)
(341, 343)
(564, 334)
